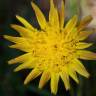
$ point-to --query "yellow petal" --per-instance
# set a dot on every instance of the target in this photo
(22, 46)
(54, 82)
(84, 35)
(65, 77)
(24, 32)
(21, 58)
(25, 23)
(72, 35)
(15, 39)
(25, 65)
(53, 15)
(86, 55)
(73, 74)
(78, 67)
(51, 12)
(40, 17)
(62, 14)
(44, 79)
(82, 45)
(32, 75)
(71, 24)
(84, 22)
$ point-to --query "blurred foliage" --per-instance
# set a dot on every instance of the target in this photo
(11, 84)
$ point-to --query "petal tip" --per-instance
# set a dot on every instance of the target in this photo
(40, 87)
(5, 36)
(33, 5)
(10, 62)
(17, 16)
(67, 88)
(16, 69)
(12, 25)
(25, 81)
(88, 75)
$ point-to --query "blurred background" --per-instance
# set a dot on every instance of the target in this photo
(11, 83)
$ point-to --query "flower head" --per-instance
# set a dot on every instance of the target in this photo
(54, 50)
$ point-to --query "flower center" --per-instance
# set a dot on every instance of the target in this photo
(55, 53)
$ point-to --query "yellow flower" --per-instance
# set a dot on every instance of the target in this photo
(54, 50)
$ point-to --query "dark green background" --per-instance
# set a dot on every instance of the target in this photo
(11, 84)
